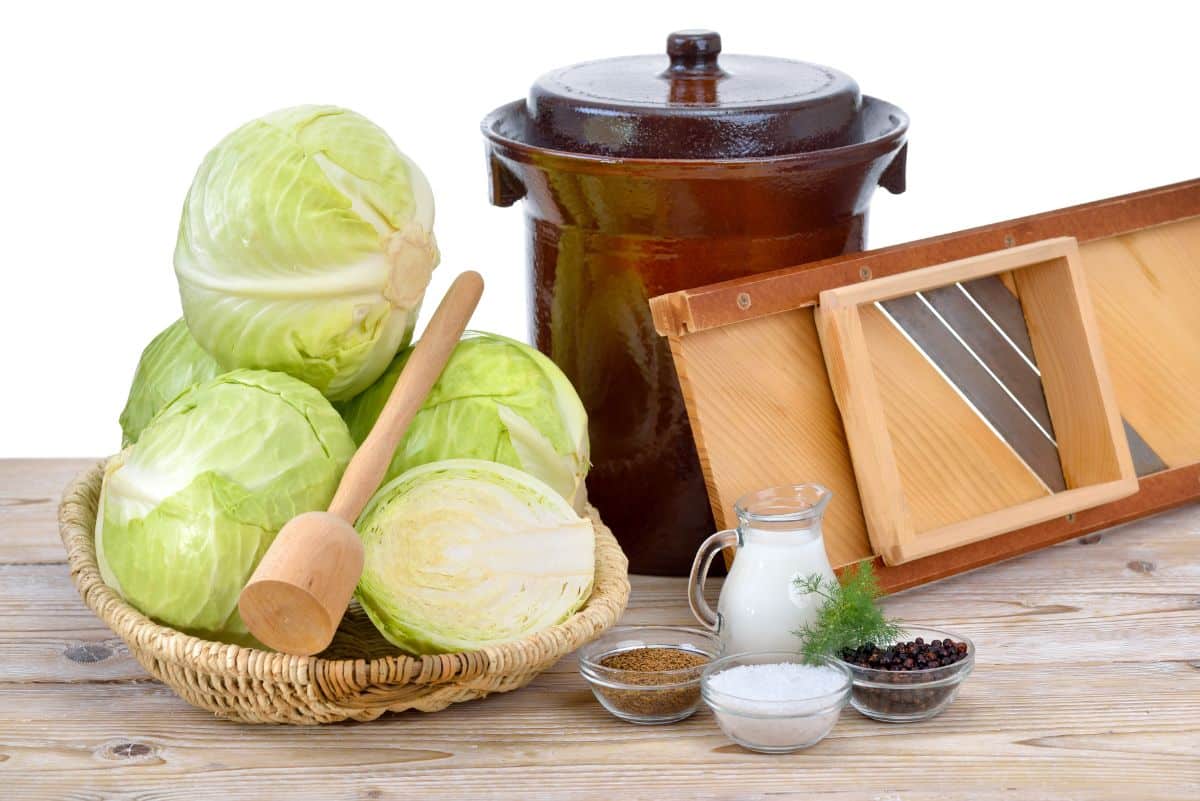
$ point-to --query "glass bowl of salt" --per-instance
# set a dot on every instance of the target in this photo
(774, 702)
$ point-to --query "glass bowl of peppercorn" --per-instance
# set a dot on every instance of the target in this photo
(912, 679)
(648, 674)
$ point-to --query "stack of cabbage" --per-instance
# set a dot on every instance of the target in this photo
(303, 255)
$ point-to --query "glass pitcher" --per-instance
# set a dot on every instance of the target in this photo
(778, 540)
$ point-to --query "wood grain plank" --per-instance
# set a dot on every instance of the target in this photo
(1157, 493)
(1001, 724)
(886, 505)
(1115, 617)
(29, 493)
(951, 466)
(980, 389)
(1146, 291)
(941, 274)
(1012, 518)
(1122, 581)
(1079, 392)
(770, 370)
(702, 308)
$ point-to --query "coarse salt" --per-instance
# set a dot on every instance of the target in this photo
(782, 681)
(777, 707)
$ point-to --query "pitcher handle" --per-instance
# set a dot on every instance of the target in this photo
(709, 549)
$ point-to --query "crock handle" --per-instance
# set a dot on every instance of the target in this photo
(505, 187)
(709, 549)
(894, 177)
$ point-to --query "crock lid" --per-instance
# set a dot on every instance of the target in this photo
(694, 103)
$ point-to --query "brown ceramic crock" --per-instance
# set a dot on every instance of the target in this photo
(649, 174)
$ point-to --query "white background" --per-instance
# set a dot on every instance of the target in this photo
(107, 109)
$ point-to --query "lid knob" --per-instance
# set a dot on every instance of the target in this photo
(694, 52)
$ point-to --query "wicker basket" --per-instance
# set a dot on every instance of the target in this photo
(360, 676)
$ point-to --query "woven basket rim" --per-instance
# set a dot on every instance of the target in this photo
(76, 517)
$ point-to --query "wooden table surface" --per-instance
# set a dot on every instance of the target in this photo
(1087, 686)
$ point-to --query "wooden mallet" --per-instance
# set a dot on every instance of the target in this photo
(297, 596)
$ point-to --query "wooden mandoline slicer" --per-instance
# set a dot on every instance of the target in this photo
(967, 398)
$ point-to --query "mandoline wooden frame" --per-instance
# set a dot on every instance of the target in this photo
(1092, 447)
(741, 313)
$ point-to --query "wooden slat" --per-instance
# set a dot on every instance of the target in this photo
(763, 371)
(1146, 291)
(1156, 493)
(1079, 393)
(1017, 429)
(952, 466)
(1010, 283)
(848, 358)
(1012, 518)
(716, 305)
(906, 282)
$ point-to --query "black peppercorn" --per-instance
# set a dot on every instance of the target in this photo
(902, 664)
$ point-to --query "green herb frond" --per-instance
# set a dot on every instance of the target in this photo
(849, 617)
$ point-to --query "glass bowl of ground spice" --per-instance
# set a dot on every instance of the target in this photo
(912, 679)
(648, 674)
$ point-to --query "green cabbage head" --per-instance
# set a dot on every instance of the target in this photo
(464, 554)
(497, 399)
(189, 509)
(305, 246)
(170, 364)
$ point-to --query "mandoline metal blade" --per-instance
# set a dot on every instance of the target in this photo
(975, 334)
(967, 370)
(998, 302)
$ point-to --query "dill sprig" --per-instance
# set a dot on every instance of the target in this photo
(849, 617)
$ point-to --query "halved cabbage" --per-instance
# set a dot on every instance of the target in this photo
(187, 512)
(464, 553)
(305, 246)
(497, 399)
(170, 364)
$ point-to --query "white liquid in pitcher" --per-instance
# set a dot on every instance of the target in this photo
(760, 610)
